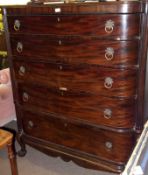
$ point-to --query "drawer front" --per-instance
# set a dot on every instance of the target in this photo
(96, 142)
(76, 49)
(79, 78)
(93, 109)
(101, 25)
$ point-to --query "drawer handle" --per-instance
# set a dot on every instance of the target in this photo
(108, 145)
(107, 113)
(108, 83)
(109, 26)
(19, 47)
(109, 53)
(30, 124)
(17, 25)
(25, 97)
(22, 71)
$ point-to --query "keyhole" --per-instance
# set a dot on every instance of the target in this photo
(58, 19)
(60, 42)
(60, 67)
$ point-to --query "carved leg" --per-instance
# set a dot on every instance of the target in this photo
(22, 151)
(12, 159)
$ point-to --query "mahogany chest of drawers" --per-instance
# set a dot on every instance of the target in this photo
(78, 74)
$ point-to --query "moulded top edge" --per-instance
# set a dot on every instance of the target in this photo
(100, 7)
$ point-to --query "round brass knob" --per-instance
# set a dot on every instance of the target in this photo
(19, 47)
(25, 97)
(109, 26)
(22, 70)
(17, 25)
(30, 124)
(108, 83)
(108, 145)
(109, 53)
(107, 113)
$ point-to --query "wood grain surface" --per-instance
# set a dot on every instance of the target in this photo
(75, 50)
(77, 106)
(125, 25)
(80, 78)
(78, 8)
(79, 137)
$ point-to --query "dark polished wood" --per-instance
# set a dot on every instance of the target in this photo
(70, 155)
(79, 8)
(2, 42)
(143, 89)
(79, 137)
(79, 85)
(62, 25)
(79, 78)
(75, 50)
(88, 108)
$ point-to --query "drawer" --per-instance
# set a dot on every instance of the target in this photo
(100, 25)
(100, 143)
(79, 78)
(75, 49)
(92, 109)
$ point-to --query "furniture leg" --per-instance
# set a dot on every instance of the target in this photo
(12, 159)
(22, 151)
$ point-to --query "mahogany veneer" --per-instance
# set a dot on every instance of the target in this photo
(73, 49)
(80, 24)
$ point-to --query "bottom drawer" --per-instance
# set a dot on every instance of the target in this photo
(108, 145)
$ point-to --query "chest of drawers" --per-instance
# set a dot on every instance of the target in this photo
(78, 73)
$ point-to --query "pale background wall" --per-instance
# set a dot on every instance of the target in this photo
(12, 2)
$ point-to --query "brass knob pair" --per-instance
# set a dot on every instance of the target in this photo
(17, 26)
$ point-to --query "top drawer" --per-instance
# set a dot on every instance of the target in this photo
(100, 25)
